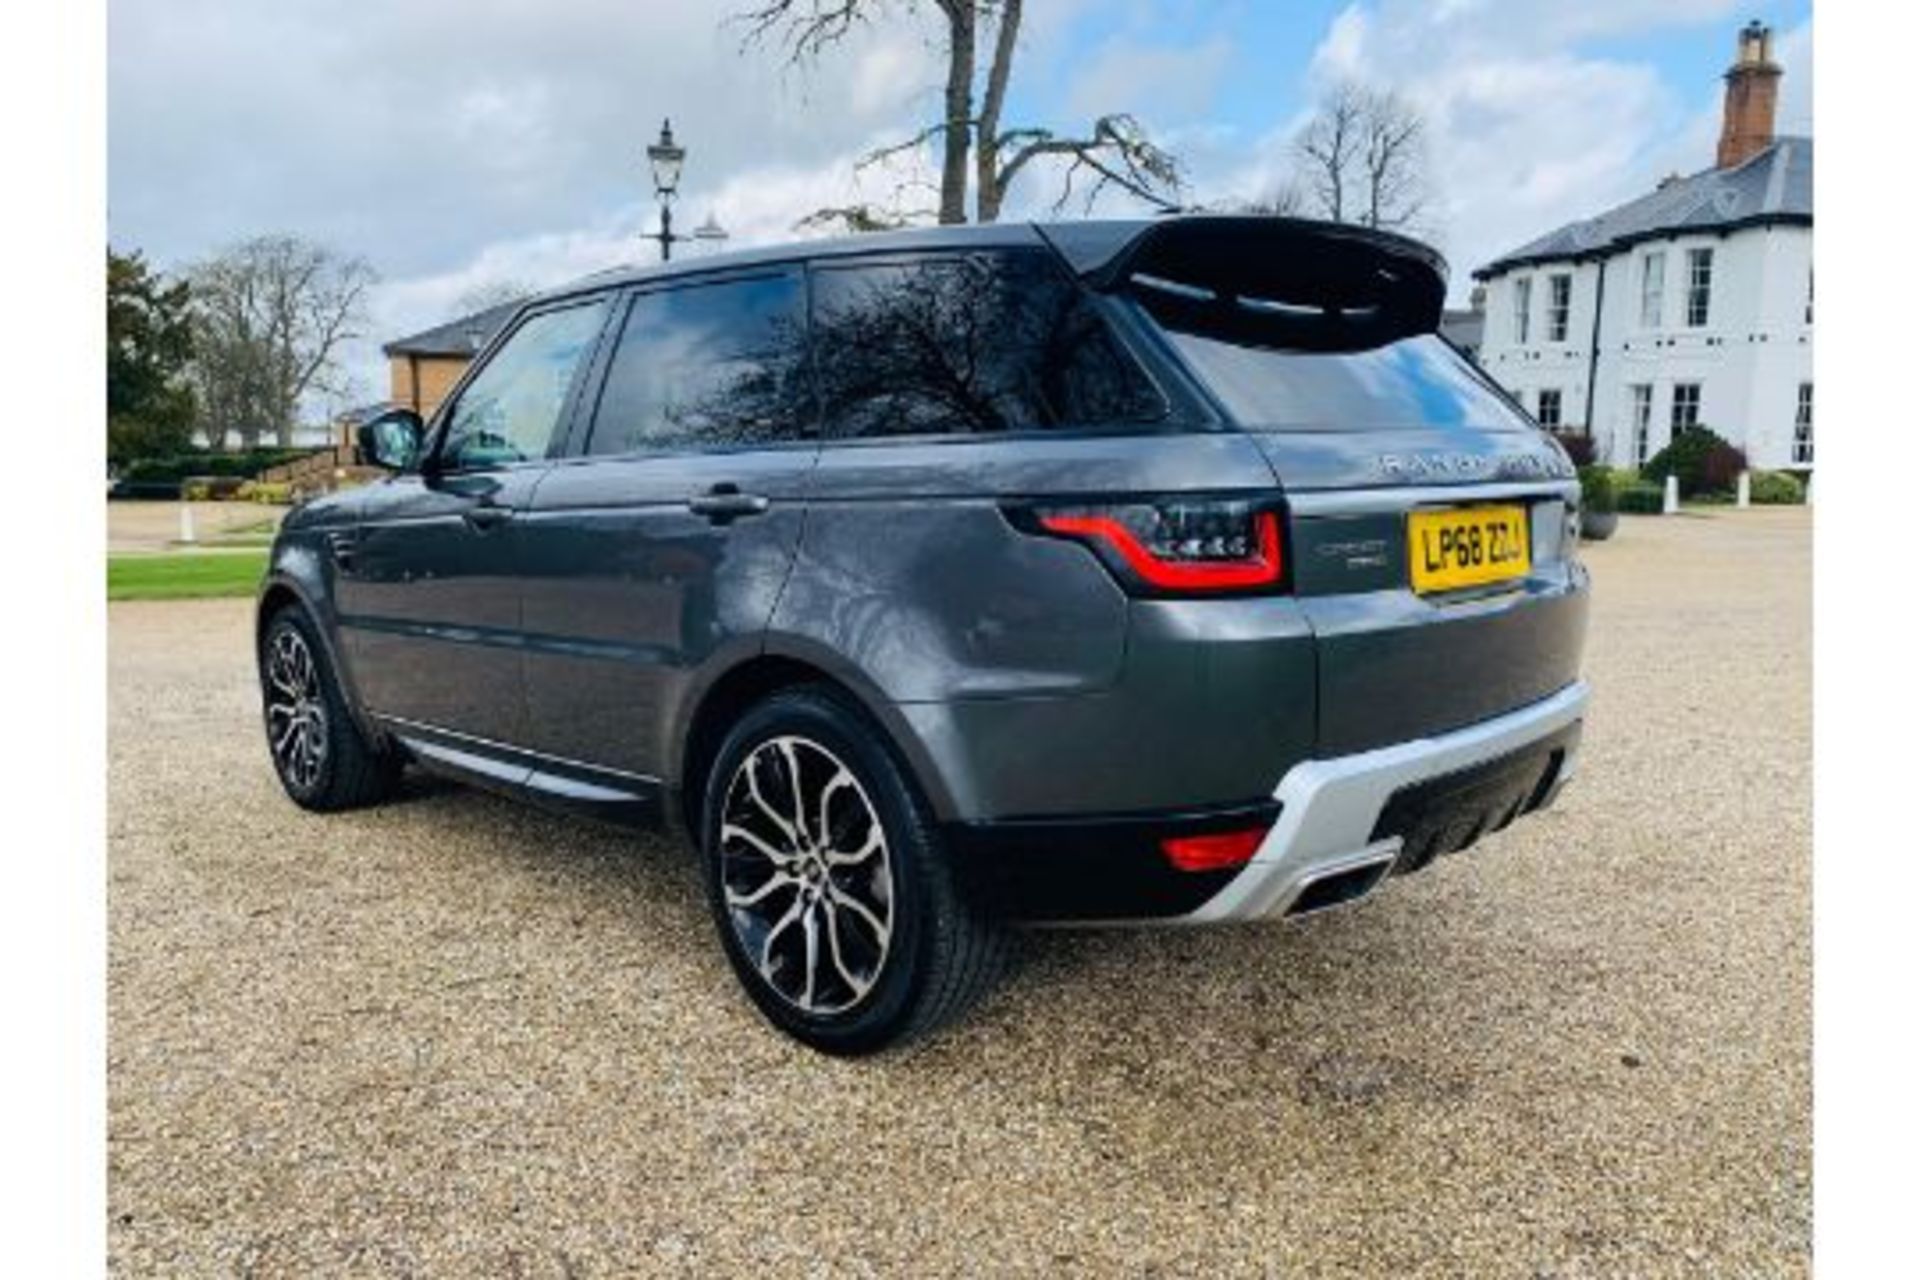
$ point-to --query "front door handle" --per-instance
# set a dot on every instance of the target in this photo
(725, 502)
(484, 516)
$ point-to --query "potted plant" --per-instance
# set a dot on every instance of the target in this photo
(1599, 508)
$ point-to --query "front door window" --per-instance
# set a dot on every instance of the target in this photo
(511, 409)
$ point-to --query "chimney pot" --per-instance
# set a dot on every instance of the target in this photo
(1753, 87)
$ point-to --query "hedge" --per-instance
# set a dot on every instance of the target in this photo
(1776, 488)
(1641, 499)
(207, 464)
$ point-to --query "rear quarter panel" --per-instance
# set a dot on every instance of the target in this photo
(909, 570)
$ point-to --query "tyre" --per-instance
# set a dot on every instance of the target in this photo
(828, 882)
(322, 759)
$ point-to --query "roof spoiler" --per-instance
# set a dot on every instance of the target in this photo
(1279, 282)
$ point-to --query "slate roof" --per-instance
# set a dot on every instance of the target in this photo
(1772, 186)
(460, 337)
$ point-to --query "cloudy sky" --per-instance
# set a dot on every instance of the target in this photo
(457, 146)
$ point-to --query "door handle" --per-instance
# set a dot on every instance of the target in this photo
(725, 502)
(484, 516)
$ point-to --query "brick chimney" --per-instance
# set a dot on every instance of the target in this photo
(1753, 85)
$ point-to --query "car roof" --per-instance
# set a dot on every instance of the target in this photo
(996, 235)
(1322, 263)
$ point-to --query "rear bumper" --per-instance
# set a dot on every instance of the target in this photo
(1335, 828)
(1344, 821)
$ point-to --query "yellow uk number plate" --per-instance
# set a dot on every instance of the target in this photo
(1467, 547)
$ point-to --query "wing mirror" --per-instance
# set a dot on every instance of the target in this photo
(393, 440)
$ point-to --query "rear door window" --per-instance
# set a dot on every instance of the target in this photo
(709, 365)
(979, 344)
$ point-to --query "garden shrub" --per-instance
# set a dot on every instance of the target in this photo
(1701, 460)
(1641, 499)
(1776, 488)
(1597, 490)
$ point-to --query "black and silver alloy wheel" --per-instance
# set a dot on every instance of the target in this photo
(320, 755)
(829, 880)
(807, 875)
(296, 710)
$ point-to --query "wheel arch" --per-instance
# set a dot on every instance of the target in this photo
(780, 665)
(284, 587)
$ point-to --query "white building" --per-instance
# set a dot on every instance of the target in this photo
(1691, 304)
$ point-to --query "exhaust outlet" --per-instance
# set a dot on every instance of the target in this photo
(1339, 887)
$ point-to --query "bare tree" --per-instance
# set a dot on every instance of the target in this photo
(1363, 157)
(1392, 162)
(1115, 152)
(270, 315)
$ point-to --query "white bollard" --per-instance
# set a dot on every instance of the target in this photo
(1809, 495)
(1744, 496)
(186, 522)
(1671, 504)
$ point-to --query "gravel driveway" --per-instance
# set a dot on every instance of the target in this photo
(456, 1037)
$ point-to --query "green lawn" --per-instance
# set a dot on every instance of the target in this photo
(185, 575)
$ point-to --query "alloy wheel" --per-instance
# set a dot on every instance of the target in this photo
(806, 874)
(296, 710)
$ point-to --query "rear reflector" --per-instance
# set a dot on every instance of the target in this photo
(1213, 852)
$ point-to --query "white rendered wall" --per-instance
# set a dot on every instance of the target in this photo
(1749, 358)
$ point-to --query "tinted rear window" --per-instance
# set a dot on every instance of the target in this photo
(1417, 381)
(984, 343)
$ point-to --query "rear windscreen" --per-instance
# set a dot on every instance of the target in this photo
(1410, 382)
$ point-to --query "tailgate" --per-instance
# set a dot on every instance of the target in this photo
(1318, 342)
(1397, 663)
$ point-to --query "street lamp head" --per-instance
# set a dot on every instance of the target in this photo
(666, 157)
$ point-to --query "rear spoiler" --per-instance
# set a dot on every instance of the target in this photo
(1278, 282)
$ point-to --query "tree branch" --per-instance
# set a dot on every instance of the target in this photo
(1118, 152)
(804, 27)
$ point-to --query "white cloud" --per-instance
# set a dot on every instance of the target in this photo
(1341, 52)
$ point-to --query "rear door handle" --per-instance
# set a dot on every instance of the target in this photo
(726, 503)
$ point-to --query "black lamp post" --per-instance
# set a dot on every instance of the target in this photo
(666, 157)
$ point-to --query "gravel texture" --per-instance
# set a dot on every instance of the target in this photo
(457, 1037)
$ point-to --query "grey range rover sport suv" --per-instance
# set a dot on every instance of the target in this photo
(1170, 571)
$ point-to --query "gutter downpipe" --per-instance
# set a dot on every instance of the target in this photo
(1593, 347)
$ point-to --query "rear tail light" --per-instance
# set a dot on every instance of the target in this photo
(1214, 852)
(1176, 546)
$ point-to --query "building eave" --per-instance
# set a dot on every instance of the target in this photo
(1627, 240)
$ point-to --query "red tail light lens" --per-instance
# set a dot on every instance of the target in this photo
(1213, 852)
(1179, 546)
